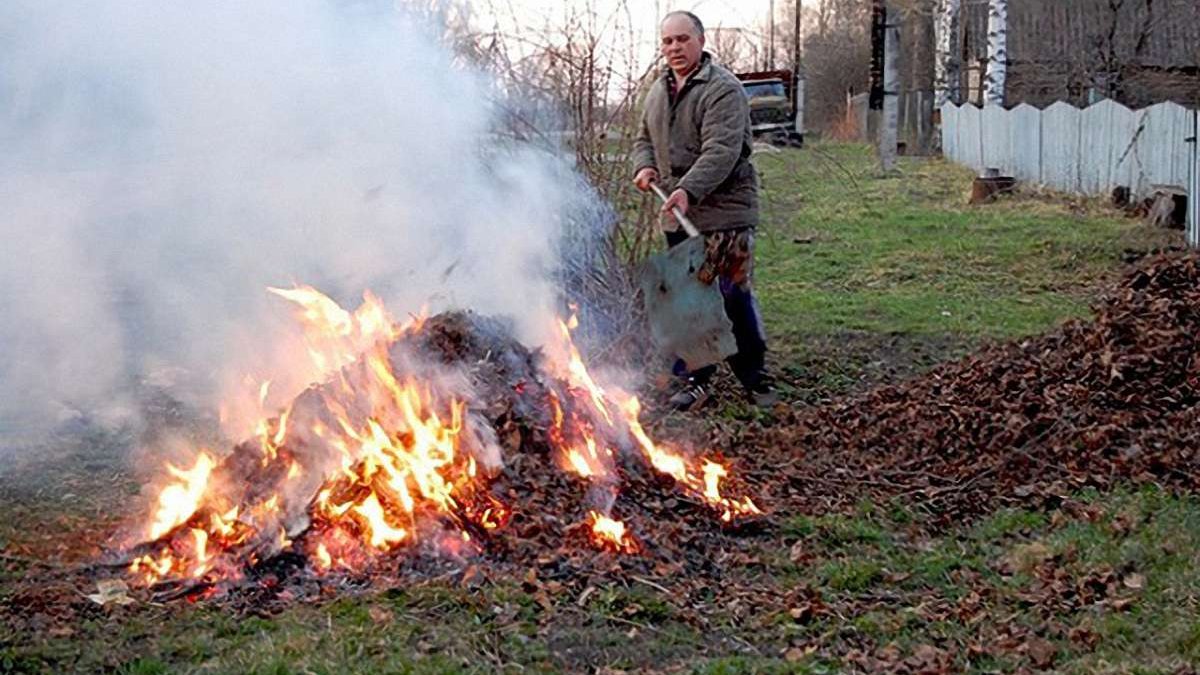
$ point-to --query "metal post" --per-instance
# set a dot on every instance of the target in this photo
(1194, 192)
(771, 39)
(797, 79)
(891, 90)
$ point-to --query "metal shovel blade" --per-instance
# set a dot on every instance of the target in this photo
(687, 317)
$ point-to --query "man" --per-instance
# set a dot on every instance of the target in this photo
(696, 143)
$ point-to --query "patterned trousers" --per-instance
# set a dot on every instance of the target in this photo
(729, 260)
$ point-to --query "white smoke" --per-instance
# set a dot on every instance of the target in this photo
(165, 162)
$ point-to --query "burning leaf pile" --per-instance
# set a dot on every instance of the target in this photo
(1094, 402)
(443, 437)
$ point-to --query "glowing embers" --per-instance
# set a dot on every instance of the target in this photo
(610, 533)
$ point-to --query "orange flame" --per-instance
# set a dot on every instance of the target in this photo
(704, 484)
(587, 462)
(178, 501)
(611, 533)
(702, 481)
(578, 373)
(324, 560)
(383, 535)
(200, 537)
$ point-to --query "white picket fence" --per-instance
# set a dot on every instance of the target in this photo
(1087, 151)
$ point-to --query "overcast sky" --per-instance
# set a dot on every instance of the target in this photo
(729, 13)
(533, 14)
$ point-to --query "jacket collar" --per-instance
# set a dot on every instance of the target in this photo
(702, 74)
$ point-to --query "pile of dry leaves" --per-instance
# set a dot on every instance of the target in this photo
(1092, 403)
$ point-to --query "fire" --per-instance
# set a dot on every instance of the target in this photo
(699, 479)
(578, 372)
(382, 534)
(611, 533)
(704, 483)
(200, 551)
(324, 560)
(153, 568)
(588, 462)
(178, 501)
(377, 458)
(223, 524)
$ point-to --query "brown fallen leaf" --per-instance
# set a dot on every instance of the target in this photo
(1121, 604)
(799, 553)
(583, 597)
(1135, 582)
(795, 654)
(1041, 652)
(379, 615)
(802, 613)
(1083, 635)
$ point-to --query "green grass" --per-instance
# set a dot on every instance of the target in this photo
(841, 250)
(1142, 544)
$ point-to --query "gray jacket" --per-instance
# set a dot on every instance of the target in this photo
(702, 143)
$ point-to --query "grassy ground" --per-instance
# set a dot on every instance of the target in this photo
(1102, 583)
(862, 280)
(855, 270)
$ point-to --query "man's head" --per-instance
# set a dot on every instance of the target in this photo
(682, 41)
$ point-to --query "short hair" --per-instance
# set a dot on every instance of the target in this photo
(696, 23)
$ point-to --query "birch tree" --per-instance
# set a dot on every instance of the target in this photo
(997, 72)
(947, 68)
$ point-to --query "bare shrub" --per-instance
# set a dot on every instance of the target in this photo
(573, 85)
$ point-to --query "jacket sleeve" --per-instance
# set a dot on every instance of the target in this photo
(643, 148)
(722, 131)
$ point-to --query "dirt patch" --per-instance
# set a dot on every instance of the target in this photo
(850, 362)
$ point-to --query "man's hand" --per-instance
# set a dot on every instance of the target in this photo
(677, 199)
(644, 178)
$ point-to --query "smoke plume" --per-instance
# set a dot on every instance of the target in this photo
(165, 162)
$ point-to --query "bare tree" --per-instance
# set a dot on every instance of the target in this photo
(735, 48)
(836, 53)
(574, 84)
(577, 80)
(1125, 30)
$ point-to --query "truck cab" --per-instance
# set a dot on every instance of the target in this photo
(773, 105)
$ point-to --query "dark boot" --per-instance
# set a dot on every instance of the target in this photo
(690, 396)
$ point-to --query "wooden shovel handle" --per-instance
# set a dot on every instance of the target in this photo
(683, 220)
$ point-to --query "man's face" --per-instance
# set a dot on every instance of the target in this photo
(680, 44)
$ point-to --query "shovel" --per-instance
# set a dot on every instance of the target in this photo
(687, 316)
